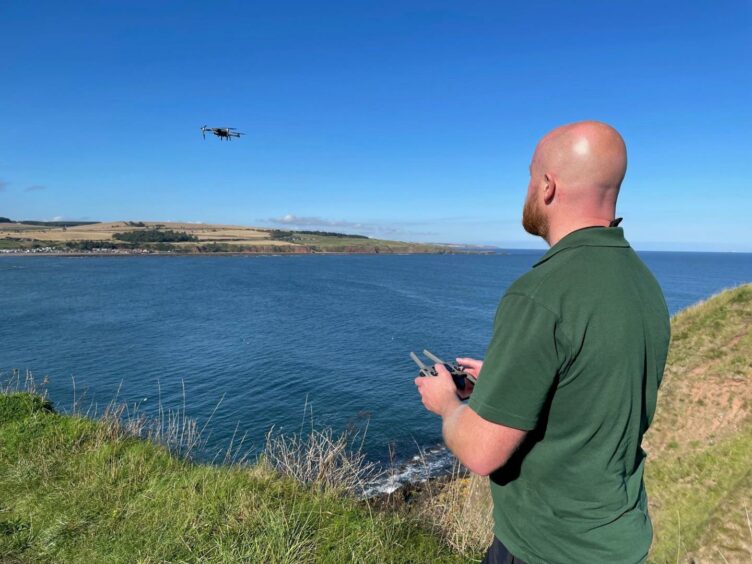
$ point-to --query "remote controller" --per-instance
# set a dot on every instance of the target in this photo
(458, 373)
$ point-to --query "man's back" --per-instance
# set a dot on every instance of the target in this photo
(579, 347)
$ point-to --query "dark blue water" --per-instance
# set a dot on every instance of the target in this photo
(272, 333)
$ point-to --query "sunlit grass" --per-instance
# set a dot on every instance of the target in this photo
(75, 489)
(699, 471)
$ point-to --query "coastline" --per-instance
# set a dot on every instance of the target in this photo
(129, 238)
(241, 253)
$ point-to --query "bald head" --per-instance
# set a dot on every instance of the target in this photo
(575, 176)
(587, 156)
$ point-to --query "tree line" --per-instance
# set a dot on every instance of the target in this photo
(155, 236)
(284, 235)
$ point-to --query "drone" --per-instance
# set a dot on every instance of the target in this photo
(221, 132)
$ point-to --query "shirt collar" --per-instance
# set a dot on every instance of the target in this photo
(588, 237)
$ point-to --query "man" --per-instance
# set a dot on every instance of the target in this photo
(570, 378)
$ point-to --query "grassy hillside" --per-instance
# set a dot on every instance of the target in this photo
(699, 472)
(77, 490)
(128, 236)
(73, 489)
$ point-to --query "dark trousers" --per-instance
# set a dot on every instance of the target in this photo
(499, 554)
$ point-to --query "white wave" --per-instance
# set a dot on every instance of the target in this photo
(430, 463)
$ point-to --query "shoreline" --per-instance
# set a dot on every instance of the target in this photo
(245, 254)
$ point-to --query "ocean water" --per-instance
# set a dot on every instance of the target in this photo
(262, 339)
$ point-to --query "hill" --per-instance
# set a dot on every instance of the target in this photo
(699, 471)
(130, 237)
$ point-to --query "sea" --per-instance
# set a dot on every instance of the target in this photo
(245, 344)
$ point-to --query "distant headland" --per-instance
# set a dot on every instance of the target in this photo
(173, 238)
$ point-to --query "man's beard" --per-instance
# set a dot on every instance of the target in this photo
(534, 220)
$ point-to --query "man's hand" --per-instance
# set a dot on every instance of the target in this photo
(479, 444)
(439, 394)
(471, 366)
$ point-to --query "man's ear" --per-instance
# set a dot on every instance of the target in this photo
(549, 189)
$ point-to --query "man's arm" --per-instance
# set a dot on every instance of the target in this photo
(479, 444)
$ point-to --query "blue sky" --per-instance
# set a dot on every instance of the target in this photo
(405, 120)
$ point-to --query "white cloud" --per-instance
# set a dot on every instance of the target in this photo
(303, 221)
(376, 229)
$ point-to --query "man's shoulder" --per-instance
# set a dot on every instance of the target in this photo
(582, 277)
(542, 281)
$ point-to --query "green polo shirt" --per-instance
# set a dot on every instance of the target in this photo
(577, 355)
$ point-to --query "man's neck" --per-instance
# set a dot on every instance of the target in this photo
(557, 232)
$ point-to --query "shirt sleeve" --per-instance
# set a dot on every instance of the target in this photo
(526, 352)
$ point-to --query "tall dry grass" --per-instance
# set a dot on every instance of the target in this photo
(458, 509)
(321, 458)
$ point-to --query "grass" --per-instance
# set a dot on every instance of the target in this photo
(8, 243)
(320, 459)
(77, 490)
(322, 243)
(699, 471)
(459, 510)
(694, 499)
